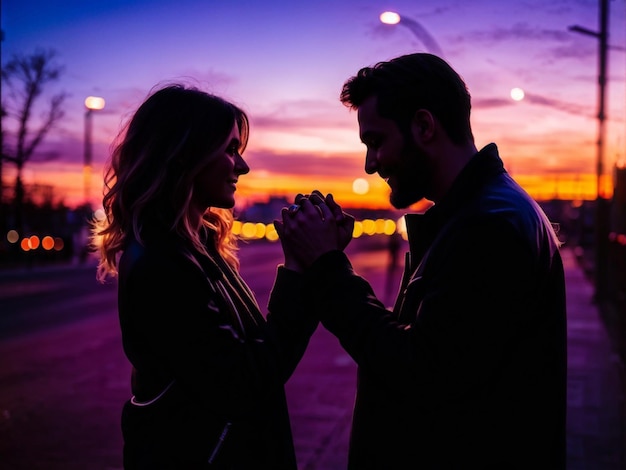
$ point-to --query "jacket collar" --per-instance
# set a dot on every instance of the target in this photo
(482, 167)
(157, 234)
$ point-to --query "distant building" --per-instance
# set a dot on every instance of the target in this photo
(264, 212)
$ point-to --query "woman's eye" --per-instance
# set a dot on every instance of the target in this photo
(233, 150)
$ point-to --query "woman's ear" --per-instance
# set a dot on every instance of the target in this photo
(423, 126)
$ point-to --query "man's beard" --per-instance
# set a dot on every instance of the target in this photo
(412, 179)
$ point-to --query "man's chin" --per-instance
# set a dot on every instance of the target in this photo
(401, 202)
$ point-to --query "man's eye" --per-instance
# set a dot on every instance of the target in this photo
(233, 150)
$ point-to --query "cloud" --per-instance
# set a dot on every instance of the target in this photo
(571, 108)
(532, 98)
(555, 44)
(302, 114)
(517, 32)
(486, 103)
(305, 164)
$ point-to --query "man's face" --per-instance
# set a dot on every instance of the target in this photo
(394, 156)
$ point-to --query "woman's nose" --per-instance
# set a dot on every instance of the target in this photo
(241, 167)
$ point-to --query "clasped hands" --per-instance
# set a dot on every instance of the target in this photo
(314, 225)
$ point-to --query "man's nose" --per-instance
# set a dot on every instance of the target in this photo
(371, 163)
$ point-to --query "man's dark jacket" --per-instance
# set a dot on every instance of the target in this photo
(469, 371)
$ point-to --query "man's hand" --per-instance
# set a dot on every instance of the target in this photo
(345, 222)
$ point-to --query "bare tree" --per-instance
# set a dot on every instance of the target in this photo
(24, 78)
(2, 115)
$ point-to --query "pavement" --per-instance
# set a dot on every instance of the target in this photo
(61, 390)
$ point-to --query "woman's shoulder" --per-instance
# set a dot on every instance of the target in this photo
(158, 257)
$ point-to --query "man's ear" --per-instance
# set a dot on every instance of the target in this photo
(423, 126)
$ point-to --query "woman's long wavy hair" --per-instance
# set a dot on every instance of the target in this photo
(154, 163)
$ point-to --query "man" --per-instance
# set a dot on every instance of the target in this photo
(469, 370)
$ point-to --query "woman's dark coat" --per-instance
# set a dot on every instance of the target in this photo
(195, 337)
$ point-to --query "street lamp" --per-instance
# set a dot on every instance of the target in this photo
(393, 18)
(601, 204)
(92, 103)
(517, 94)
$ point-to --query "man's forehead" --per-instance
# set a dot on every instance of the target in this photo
(370, 121)
(367, 114)
(369, 107)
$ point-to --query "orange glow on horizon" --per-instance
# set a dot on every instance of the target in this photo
(64, 184)
(556, 186)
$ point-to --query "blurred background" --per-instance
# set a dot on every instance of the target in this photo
(547, 79)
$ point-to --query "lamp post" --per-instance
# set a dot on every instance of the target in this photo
(393, 18)
(601, 222)
(92, 103)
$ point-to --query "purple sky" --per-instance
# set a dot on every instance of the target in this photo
(285, 62)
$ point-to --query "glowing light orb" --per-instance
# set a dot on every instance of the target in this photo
(517, 94)
(389, 17)
(360, 186)
(94, 102)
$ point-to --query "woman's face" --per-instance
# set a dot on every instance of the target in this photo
(216, 183)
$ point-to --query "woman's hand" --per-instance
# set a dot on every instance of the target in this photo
(314, 225)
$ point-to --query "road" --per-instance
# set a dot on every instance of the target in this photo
(63, 375)
(38, 299)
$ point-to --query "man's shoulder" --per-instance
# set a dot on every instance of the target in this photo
(504, 202)
(503, 198)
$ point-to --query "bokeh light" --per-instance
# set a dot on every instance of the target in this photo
(270, 233)
(360, 186)
(47, 243)
(59, 244)
(33, 242)
(13, 236)
(248, 230)
(517, 94)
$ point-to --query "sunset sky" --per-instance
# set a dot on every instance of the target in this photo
(284, 62)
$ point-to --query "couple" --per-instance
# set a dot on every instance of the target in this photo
(467, 371)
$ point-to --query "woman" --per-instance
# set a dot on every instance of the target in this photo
(208, 369)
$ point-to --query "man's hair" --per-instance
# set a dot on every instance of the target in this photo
(411, 82)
